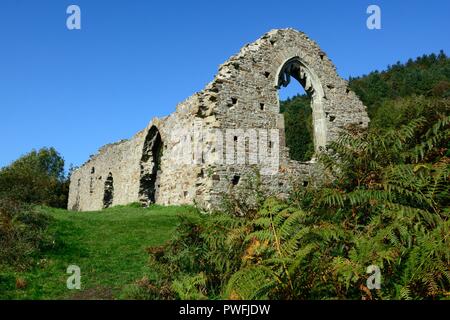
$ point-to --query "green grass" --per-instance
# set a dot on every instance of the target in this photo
(108, 246)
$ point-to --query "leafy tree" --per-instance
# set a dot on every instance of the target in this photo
(36, 178)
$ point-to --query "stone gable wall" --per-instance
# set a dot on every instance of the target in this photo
(243, 95)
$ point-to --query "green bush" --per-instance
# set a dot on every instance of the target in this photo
(23, 234)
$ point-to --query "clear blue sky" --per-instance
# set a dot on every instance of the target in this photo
(133, 60)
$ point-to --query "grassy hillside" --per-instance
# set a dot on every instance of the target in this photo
(109, 247)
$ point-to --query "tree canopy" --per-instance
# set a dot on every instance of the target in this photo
(37, 177)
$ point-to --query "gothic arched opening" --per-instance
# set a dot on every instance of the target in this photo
(108, 195)
(150, 167)
(304, 126)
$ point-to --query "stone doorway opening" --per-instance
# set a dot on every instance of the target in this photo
(150, 166)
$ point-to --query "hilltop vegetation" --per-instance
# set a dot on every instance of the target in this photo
(427, 76)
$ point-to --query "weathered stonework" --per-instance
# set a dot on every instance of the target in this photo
(243, 95)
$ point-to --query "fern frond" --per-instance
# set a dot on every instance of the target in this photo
(254, 283)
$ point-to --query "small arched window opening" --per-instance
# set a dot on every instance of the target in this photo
(108, 196)
(91, 182)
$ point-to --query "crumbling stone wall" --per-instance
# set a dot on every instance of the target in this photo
(239, 105)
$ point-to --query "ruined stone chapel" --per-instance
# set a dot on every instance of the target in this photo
(220, 135)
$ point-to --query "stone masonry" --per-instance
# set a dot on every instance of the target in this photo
(217, 137)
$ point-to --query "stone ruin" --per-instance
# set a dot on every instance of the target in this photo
(221, 135)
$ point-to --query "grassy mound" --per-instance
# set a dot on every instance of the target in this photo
(108, 246)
